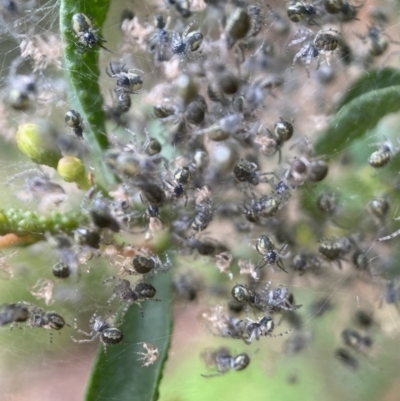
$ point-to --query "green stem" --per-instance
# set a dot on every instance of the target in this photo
(25, 222)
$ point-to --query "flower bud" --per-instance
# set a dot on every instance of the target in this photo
(71, 169)
(38, 142)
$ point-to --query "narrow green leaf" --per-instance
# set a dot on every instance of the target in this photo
(83, 77)
(118, 375)
(370, 81)
(356, 117)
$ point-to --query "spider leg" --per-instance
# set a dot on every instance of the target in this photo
(251, 338)
(109, 279)
(298, 55)
(112, 71)
(278, 149)
(280, 264)
(309, 55)
(140, 308)
(280, 334)
(260, 264)
(264, 291)
(297, 41)
(138, 92)
(121, 319)
(103, 47)
(84, 332)
(187, 29)
(83, 340)
(390, 236)
(133, 70)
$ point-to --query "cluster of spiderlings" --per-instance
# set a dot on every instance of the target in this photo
(212, 142)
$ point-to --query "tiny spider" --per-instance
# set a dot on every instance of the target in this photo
(340, 6)
(160, 38)
(256, 208)
(238, 27)
(150, 356)
(383, 155)
(204, 245)
(152, 192)
(120, 106)
(39, 186)
(195, 111)
(355, 340)
(244, 295)
(86, 33)
(129, 294)
(379, 208)
(377, 41)
(277, 300)
(99, 328)
(38, 317)
(87, 238)
(299, 10)
(204, 215)
(144, 265)
(147, 265)
(324, 42)
(305, 261)
(182, 7)
(100, 211)
(391, 294)
(186, 44)
(181, 179)
(74, 120)
(253, 330)
(333, 249)
(283, 131)
(245, 171)
(346, 358)
(225, 325)
(223, 361)
(127, 82)
(265, 246)
(163, 112)
(247, 330)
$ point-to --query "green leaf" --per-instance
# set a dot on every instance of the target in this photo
(370, 81)
(356, 117)
(118, 375)
(83, 77)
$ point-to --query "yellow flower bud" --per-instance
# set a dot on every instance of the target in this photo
(71, 169)
(37, 141)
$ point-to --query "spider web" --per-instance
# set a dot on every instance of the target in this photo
(66, 365)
